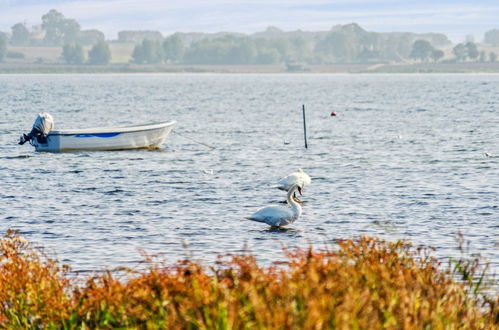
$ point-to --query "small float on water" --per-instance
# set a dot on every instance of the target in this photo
(146, 136)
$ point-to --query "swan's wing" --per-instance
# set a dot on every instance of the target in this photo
(302, 177)
(306, 179)
(272, 215)
(284, 183)
(274, 211)
(289, 180)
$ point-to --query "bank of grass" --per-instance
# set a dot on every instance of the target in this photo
(61, 68)
(97, 69)
(366, 283)
(48, 60)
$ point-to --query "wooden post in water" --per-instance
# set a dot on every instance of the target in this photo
(304, 127)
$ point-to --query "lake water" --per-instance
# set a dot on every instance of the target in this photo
(405, 157)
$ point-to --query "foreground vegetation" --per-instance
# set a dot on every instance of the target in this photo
(366, 283)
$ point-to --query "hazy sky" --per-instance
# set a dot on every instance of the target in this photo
(456, 18)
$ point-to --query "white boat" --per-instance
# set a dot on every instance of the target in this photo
(148, 136)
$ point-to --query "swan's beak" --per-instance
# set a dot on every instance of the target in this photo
(299, 191)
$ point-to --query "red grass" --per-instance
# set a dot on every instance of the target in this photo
(366, 283)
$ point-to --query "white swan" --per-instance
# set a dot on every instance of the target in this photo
(298, 176)
(278, 215)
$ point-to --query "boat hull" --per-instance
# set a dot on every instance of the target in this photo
(111, 138)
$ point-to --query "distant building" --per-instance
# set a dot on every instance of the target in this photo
(36, 35)
(137, 37)
(90, 37)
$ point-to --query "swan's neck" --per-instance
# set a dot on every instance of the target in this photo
(291, 201)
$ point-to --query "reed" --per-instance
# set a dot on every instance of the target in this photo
(366, 283)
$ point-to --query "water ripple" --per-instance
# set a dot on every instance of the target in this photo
(404, 158)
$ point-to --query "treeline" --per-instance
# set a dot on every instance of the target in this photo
(424, 51)
(56, 30)
(342, 44)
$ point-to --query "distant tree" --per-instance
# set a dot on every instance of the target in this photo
(421, 50)
(148, 51)
(492, 57)
(173, 48)
(436, 55)
(460, 51)
(138, 55)
(208, 52)
(267, 56)
(351, 43)
(59, 30)
(395, 48)
(472, 50)
(483, 56)
(243, 51)
(99, 54)
(299, 49)
(404, 45)
(52, 25)
(437, 39)
(228, 49)
(73, 53)
(368, 55)
(3, 48)
(284, 47)
(90, 37)
(268, 52)
(337, 46)
(153, 51)
(492, 37)
(71, 30)
(20, 35)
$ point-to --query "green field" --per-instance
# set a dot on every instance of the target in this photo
(120, 53)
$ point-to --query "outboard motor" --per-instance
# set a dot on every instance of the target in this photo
(41, 128)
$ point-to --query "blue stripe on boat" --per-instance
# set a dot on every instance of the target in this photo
(100, 135)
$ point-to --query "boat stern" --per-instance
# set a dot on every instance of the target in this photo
(52, 143)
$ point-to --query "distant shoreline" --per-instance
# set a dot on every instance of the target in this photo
(468, 67)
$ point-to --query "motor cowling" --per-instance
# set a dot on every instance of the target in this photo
(44, 123)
